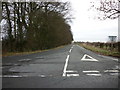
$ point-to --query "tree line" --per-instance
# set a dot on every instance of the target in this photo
(35, 25)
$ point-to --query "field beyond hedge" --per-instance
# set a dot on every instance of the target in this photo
(108, 49)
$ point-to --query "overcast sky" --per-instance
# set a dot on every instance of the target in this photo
(85, 28)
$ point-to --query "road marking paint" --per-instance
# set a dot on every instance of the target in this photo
(72, 47)
(88, 59)
(91, 71)
(114, 74)
(70, 71)
(117, 67)
(65, 67)
(69, 75)
(94, 74)
(115, 59)
(42, 76)
(114, 71)
(21, 60)
(11, 76)
(70, 50)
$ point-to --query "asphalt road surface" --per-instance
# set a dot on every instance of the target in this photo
(67, 67)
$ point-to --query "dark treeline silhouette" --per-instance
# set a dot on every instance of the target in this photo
(35, 25)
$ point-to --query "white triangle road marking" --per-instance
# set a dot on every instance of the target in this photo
(86, 59)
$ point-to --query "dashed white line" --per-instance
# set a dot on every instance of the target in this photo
(65, 67)
(11, 76)
(70, 50)
(91, 71)
(114, 74)
(66, 63)
(111, 71)
(21, 60)
(70, 71)
(42, 76)
(94, 74)
(69, 75)
(115, 59)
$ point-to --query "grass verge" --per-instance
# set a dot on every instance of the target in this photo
(27, 52)
(101, 50)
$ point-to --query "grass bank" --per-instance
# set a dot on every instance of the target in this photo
(26, 52)
(101, 51)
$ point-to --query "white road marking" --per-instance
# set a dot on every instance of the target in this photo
(65, 67)
(72, 47)
(17, 76)
(91, 58)
(11, 76)
(114, 71)
(117, 67)
(70, 71)
(69, 75)
(115, 59)
(91, 71)
(24, 60)
(114, 74)
(66, 63)
(94, 74)
(70, 50)
(42, 76)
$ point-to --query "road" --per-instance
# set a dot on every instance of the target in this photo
(70, 66)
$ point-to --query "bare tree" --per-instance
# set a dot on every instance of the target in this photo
(36, 25)
(109, 8)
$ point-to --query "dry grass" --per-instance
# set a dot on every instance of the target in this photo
(101, 50)
(28, 52)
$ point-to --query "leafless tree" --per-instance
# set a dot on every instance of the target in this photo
(109, 8)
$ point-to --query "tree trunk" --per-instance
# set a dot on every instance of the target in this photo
(10, 26)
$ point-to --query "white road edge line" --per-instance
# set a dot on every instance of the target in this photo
(65, 67)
